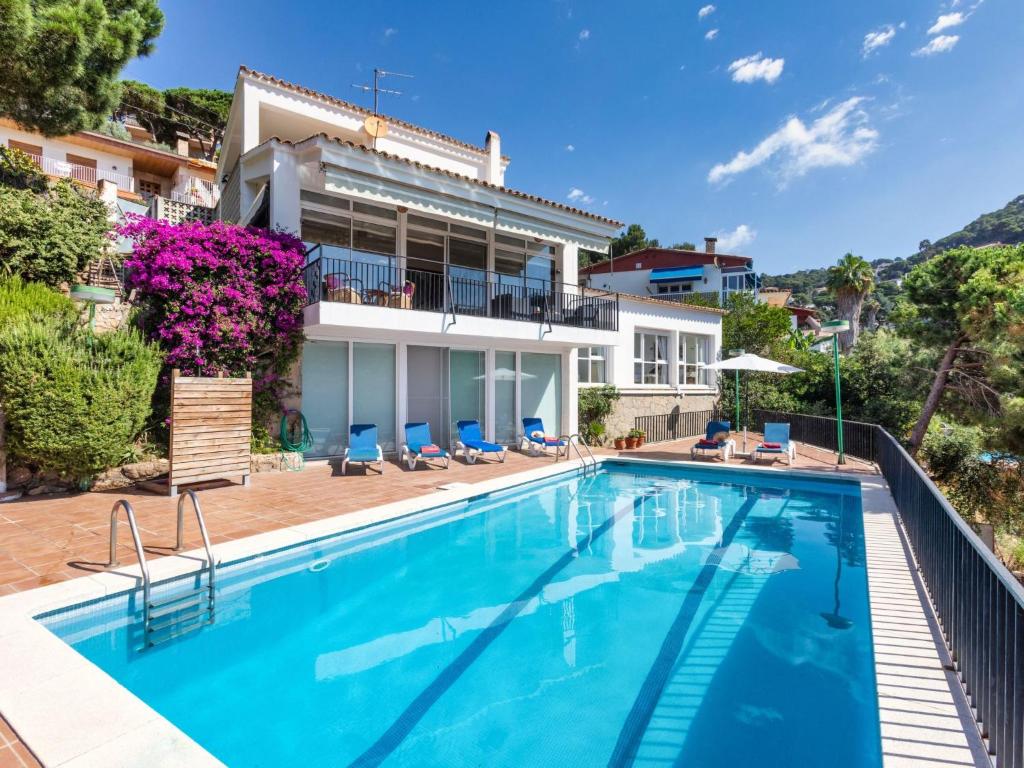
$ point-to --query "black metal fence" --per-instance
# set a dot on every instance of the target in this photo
(457, 290)
(673, 426)
(979, 603)
(858, 437)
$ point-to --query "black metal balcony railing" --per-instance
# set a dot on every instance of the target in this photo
(978, 601)
(458, 291)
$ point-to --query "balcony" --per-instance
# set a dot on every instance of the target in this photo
(195, 191)
(82, 173)
(457, 292)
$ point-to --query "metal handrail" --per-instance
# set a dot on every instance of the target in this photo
(579, 441)
(133, 525)
(180, 544)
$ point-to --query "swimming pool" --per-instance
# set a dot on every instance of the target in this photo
(642, 615)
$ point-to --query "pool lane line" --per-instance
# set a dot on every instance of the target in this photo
(650, 692)
(392, 738)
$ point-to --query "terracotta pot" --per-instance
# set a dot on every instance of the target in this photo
(631, 442)
(620, 443)
(640, 441)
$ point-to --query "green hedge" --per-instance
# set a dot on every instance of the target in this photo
(74, 402)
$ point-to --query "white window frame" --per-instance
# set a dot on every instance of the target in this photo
(659, 365)
(704, 346)
(586, 354)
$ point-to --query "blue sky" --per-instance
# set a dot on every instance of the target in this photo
(795, 132)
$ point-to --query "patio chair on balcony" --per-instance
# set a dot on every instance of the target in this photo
(362, 447)
(420, 447)
(540, 442)
(715, 440)
(340, 287)
(472, 444)
(776, 443)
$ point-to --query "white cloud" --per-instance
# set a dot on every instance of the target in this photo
(706, 10)
(947, 20)
(756, 67)
(584, 34)
(741, 237)
(877, 39)
(711, 34)
(570, 148)
(577, 195)
(390, 32)
(841, 137)
(940, 44)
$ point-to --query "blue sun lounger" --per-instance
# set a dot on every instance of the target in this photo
(776, 435)
(472, 443)
(362, 447)
(537, 441)
(709, 443)
(420, 447)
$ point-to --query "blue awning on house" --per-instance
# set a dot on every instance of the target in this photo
(672, 274)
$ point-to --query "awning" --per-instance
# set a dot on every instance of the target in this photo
(670, 274)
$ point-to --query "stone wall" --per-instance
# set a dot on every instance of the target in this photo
(633, 404)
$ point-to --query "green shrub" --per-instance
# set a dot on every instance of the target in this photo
(21, 301)
(593, 406)
(74, 402)
(50, 236)
(949, 450)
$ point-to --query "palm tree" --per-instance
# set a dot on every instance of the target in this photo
(850, 281)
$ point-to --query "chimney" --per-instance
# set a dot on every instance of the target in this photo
(494, 173)
(709, 244)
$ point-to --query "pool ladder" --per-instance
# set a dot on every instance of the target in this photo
(185, 612)
(576, 441)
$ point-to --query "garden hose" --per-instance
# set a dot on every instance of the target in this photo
(305, 441)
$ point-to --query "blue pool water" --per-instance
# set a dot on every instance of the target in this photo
(641, 616)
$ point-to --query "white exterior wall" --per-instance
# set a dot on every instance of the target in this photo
(638, 281)
(643, 315)
(57, 149)
(269, 111)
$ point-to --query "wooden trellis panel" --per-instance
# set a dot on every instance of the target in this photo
(211, 428)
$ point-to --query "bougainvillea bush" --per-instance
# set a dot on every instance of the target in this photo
(220, 298)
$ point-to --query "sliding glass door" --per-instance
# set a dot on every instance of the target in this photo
(505, 398)
(542, 389)
(467, 387)
(373, 389)
(325, 395)
(427, 369)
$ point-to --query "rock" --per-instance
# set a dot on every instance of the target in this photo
(39, 490)
(146, 470)
(18, 477)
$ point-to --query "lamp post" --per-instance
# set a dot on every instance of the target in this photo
(737, 353)
(835, 327)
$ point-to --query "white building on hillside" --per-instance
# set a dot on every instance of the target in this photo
(436, 293)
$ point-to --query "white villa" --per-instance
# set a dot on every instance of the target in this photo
(436, 292)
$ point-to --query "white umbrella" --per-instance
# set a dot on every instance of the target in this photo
(750, 362)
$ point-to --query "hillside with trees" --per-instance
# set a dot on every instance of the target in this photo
(1004, 226)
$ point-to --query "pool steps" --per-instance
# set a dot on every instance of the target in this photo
(181, 613)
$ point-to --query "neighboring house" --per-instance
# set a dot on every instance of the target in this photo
(145, 175)
(435, 292)
(672, 273)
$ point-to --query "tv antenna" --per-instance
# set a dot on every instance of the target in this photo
(378, 75)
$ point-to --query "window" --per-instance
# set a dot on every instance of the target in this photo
(368, 237)
(693, 357)
(28, 149)
(520, 261)
(650, 358)
(743, 281)
(592, 362)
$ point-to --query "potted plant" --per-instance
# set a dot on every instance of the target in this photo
(620, 442)
(641, 436)
(631, 439)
